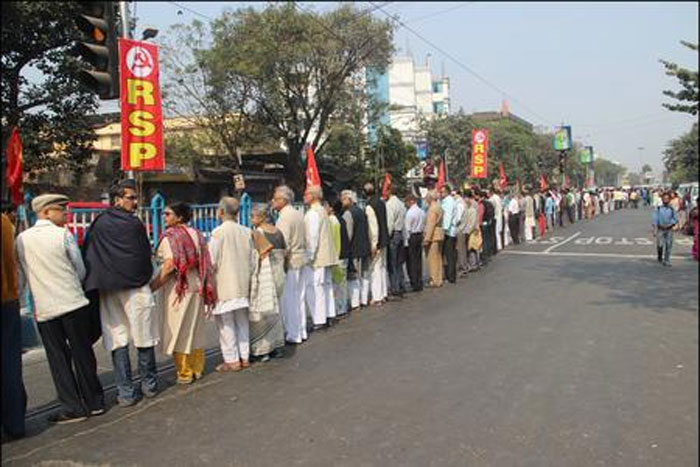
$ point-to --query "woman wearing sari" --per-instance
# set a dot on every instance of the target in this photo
(266, 331)
(187, 278)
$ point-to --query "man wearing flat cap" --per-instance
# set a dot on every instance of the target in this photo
(118, 262)
(52, 268)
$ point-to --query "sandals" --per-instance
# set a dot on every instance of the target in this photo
(227, 367)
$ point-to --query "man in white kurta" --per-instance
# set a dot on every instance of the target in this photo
(377, 265)
(498, 214)
(234, 260)
(320, 257)
(291, 224)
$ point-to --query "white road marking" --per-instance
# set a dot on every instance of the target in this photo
(561, 243)
(603, 255)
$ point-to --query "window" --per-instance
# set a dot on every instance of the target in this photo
(438, 107)
(437, 86)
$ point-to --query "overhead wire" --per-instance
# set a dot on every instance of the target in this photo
(192, 11)
(462, 65)
(437, 13)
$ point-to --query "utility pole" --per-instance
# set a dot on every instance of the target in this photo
(126, 34)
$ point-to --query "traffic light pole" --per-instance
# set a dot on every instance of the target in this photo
(126, 34)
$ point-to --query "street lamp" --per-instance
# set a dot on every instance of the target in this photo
(149, 33)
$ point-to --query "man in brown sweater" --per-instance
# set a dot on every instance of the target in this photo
(14, 397)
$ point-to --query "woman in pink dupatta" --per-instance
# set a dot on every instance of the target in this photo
(189, 293)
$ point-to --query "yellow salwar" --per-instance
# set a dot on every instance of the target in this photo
(183, 332)
(189, 366)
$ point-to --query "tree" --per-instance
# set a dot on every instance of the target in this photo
(394, 156)
(681, 157)
(208, 97)
(607, 173)
(646, 168)
(687, 97)
(52, 112)
(290, 71)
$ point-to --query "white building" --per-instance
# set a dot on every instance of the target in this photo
(412, 92)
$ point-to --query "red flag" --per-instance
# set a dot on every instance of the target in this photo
(313, 178)
(387, 184)
(504, 179)
(543, 183)
(441, 175)
(13, 173)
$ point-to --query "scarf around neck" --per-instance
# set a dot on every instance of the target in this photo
(185, 257)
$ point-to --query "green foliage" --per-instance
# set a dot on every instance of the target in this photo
(606, 172)
(687, 97)
(524, 154)
(681, 157)
(52, 112)
(393, 155)
(646, 168)
(291, 72)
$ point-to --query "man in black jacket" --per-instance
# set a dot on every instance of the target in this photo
(358, 255)
(118, 263)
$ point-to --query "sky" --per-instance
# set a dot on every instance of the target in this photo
(594, 66)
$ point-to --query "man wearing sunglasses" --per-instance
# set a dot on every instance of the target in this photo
(118, 262)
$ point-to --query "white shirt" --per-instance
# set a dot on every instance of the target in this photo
(415, 220)
(395, 214)
(312, 229)
(514, 206)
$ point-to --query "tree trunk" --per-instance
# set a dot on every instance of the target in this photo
(294, 172)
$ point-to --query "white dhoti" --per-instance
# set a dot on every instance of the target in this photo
(506, 232)
(233, 335)
(378, 275)
(294, 307)
(529, 225)
(319, 294)
(499, 231)
(129, 315)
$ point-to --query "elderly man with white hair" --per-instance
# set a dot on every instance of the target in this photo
(359, 255)
(291, 224)
(234, 261)
(321, 257)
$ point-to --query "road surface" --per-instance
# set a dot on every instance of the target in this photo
(573, 352)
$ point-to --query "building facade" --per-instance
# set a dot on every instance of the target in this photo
(410, 92)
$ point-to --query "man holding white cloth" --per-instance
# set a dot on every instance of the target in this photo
(321, 257)
(291, 224)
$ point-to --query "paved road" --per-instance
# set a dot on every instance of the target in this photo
(569, 357)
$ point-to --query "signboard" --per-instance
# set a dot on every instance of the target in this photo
(238, 182)
(562, 138)
(422, 150)
(480, 147)
(586, 155)
(141, 111)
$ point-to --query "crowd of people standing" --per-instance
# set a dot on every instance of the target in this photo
(265, 287)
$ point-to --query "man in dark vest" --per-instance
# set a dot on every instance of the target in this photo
(488, 229)
(358, 255)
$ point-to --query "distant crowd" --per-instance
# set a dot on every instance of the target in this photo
(265, 287)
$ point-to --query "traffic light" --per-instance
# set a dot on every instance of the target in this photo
(98, 47)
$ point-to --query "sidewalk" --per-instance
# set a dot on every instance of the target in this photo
(41, 395)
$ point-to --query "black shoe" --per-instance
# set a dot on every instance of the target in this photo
(64, 418)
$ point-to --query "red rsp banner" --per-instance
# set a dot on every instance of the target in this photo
(480, 147)
(141, 109)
